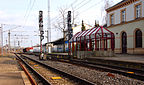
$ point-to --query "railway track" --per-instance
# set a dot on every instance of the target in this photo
(130, 72)
(133, 73)
(41, 69)
(40, 78)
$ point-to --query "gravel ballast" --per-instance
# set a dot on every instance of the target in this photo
(93, 75)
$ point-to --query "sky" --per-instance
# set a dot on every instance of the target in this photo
(21, 17)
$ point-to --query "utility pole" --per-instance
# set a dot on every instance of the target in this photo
(6, 46)
(49, 24)
(14, 46)
(9, 48)
(31, 43)
(49, 28)
(1, 39)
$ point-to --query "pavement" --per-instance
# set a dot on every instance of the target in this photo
(10, 72)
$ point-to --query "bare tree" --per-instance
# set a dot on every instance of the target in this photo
(107, 4)
(74, 16)
(61, 23)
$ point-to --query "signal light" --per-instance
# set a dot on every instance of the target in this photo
(40, 16)
(42, 32)
(40, 24)
(41, 37)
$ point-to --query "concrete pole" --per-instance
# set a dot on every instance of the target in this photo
(9, 41)
(31, 43)
(49, 25)
(6, 47)
(14, 46)
(47, 36)
(49, 28)
(1, 40)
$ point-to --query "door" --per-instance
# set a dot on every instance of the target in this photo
(124, 42)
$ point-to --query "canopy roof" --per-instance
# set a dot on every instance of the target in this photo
(93, 33)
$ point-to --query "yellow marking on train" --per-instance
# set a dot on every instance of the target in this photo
(56, 78)
(131, 72)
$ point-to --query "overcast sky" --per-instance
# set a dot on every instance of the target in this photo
(22, 15)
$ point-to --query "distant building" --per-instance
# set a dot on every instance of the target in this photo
(126, 21)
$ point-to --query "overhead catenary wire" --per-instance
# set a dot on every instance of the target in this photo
(29, 12)
(94, 5)
(27, 8)
(77, 8)
(83, 4)
(73, 2)
(77, 5)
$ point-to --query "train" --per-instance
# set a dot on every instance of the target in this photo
(54, 49)
(31, 50)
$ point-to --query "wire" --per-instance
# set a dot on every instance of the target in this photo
(79, 3)
(29, 12)
(84, 4)
(27, 9)
(59, 17)
(74, 2)
(90, 7)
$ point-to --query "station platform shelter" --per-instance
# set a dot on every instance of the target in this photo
(97, 41)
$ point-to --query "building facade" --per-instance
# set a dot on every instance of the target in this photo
(126, 21)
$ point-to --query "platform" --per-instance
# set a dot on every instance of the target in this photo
(124, 57)
(10, 72)
(126, 60)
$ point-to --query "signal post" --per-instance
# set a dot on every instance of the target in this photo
(70, 32)
(41, 33)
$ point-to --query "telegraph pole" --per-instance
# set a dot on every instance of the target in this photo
(49, 25)
(49, 28)
(1, 40)
(9, 41)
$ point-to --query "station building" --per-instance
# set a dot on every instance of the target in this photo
(126, 21)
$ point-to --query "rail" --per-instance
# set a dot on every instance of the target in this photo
(70, 76)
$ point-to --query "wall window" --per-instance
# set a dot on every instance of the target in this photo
(123, 15)
(138, 39)
(111, 19)
(138, 10)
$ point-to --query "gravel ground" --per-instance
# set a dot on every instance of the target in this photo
(94, 75)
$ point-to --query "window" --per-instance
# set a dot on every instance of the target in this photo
(111, 19)
(138, 39)
(138, 10)
(123, 15)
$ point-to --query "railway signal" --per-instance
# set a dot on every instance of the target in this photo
(70, 31)
(40, 19)
(41, 32)
(41, 35)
